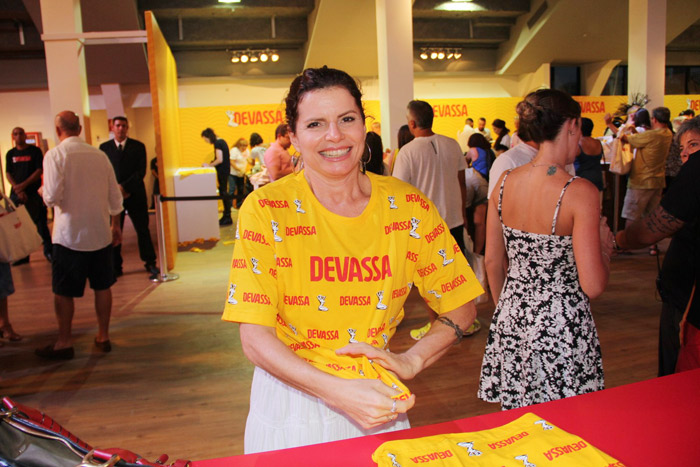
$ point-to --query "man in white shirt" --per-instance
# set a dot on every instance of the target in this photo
(484, 131)
(80, 184)
(464, 134)
(435, 165)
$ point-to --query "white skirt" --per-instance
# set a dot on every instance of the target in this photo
(283, 417)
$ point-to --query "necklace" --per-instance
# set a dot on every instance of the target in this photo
(551, 170)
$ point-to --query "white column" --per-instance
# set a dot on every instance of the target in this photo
(395, 55)
(112, 94)
(65, 60)
(647, 50)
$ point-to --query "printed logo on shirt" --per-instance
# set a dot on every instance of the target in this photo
(392, 200)
(414, 226)
(355, 300)
(396, 226)
(524, 460)
(353, 333)
(284, 262)
(321, 303)
(231, 293)
(254, 266)
(431, 268)
(545, 425)
(374, 332)
(432, 456)
(380, 297)
(275, 229)
(300, 230)
(435, 233)
(412, 256)
(454, 283)
(445, 261)
(400, 292)
(238, 264)
(469, 446)
(261, 298)
(350, 268)
(310, 345)
(253, 236)
(455, 248)
(16, 159)
(296, 300)
(394, 462)
(297, 203)
(435, 292)
(565, 449)
(273, 203)
(385, 338)
(286, 325)
(323, 334)
(415, 198)
(237, 237)
(508, 441)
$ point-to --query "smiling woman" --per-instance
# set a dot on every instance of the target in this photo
(317, 303)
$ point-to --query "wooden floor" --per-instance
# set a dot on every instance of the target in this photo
(177, 382)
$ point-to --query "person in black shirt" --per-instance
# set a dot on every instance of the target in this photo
(677, 216)
(23, 165)
(128, 157)
(222, 164)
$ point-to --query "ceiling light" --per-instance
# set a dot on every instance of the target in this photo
(433, 55)
(235, 59)
(424, 54)
(458, 55)
(274, 57)
(450, 54)
(244, 58)
(264, 57)
(254, 58)
(441, 55)
(229, 1)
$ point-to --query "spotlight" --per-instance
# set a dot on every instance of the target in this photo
(264, 57)
(441, 55)
(274, 57)
(450, 54)
(254, 57)
(433, 55)
(235, 59)
(244, 58)
(458, 55)
(424, 54)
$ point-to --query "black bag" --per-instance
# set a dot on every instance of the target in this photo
(29, 438)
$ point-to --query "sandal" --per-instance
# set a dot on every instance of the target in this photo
(9, 334)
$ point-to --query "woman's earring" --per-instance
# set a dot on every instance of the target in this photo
(362, 159)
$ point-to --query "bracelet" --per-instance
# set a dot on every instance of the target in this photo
(448, 322)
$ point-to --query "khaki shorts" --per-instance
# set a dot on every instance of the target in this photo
(639, 202)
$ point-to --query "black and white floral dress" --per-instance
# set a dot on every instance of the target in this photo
(543, 344)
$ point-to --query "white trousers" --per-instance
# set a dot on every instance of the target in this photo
(283, 417)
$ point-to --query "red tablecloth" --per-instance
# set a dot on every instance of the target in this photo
(651, 423)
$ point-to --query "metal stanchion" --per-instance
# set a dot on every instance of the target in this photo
(163, 276)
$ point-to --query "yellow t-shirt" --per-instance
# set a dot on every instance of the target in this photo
(324, 280)
(649, 164)
(526, 442)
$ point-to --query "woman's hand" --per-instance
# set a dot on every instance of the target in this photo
(369, 402)
(403, 365)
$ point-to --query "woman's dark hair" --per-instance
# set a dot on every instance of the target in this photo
(374, 153)
(255, 139)
(477, 140)
(313, 79)
(586, 126)
(544, 112)
(501, 125)
(210, 135)
(500, 147)
(641, 118)
(405, 136)
(692, 124)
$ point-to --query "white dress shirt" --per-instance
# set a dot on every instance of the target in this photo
(79, 182)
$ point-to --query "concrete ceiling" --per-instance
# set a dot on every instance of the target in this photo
(509, 37)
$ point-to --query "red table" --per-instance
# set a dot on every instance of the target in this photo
(654, 422)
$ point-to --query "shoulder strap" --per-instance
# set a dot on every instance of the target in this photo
(561, 195)
(500, 196)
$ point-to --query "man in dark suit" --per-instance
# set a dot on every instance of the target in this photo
(128, 157)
